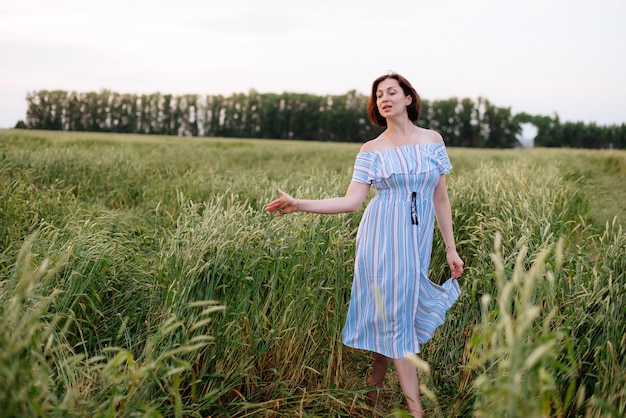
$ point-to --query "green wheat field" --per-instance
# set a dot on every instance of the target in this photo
(140, 277)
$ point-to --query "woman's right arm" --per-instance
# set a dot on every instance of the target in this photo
(352, 201)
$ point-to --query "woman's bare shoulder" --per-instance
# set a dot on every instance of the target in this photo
(372, 145)
(429, 136)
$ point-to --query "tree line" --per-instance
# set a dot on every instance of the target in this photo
(462, 122)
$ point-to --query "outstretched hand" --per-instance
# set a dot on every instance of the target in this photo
(284, 204)
(455, 263)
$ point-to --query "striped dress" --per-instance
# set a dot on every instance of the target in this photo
(394, 307)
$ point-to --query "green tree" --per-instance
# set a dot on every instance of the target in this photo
(548, 131)
(299, 116)
(501, 127)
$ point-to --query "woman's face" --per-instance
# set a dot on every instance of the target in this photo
(390, 98)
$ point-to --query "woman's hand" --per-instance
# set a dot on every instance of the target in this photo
(455, 263)
(282, 205)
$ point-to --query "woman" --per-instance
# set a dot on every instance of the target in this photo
(394, 307)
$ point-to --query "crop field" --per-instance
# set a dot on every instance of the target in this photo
(140, 276)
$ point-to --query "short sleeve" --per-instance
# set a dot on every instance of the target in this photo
(443, 161)
(364, 168)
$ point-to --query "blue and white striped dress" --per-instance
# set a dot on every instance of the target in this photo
(394, 307)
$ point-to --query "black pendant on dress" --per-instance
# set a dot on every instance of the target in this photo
(414, 220)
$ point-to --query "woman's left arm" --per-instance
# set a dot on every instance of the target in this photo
(443, 213)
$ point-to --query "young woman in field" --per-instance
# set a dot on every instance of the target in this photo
(394, 307)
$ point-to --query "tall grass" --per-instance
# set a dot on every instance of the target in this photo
(171, 293)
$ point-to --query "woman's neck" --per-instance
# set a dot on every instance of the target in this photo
(403, 128)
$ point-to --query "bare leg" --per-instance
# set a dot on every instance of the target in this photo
(379, 370)
(407, 375)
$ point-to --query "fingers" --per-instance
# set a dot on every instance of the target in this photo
(274, 205)
(457, 271)
(456, 274)
(280, 205)
(456, 267)
(286, 199)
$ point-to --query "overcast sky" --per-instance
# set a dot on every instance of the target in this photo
(537, 56)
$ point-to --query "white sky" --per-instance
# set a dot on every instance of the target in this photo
(535, 56)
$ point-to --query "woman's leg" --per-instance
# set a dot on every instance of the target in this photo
(407, 375)
(379, 370)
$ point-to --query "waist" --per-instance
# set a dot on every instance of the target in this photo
(406, 196)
